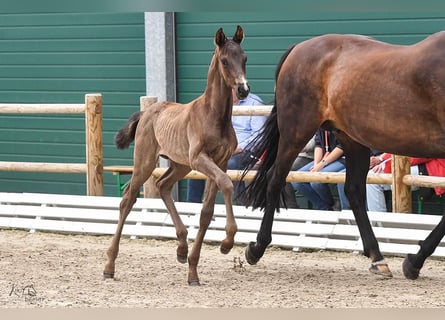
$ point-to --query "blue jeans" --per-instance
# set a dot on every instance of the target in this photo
(195, 188)
(319, 194)
(375, 193)
(342, 196)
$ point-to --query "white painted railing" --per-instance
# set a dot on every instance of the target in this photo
(294, 228)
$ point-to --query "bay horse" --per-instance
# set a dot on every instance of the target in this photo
(197, 135)
(372, 95)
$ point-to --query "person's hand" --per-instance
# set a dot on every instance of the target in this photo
(317, 167)
(238, 150)
(379, 168)
(374, 160)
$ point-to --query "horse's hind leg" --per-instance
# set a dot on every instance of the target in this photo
(287, 152)
(142, 171)
(165, 184)
(357, 167)
(414, 262)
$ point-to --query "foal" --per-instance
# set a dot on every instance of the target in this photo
(198, 135)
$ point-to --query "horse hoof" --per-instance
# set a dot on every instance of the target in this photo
(250, 258)
(181, 258)
(409, 270)
(224, 250)
(108, 275)
(381, 269)
(194, 283)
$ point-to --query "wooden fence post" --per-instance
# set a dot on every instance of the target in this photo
(94, 145)
(150, 189)
(401, 193)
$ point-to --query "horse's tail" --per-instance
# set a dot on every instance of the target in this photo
(263, 149)
(125, 136)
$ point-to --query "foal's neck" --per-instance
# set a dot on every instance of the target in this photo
(218, 95)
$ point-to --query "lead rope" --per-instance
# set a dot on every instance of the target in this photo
(326, 141)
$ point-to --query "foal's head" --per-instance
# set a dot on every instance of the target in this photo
(232, 61)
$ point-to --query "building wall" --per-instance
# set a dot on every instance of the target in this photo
(268, 35)
(58, 58)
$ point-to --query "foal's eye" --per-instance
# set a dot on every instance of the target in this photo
(224, 62)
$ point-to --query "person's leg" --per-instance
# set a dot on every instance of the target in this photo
(414, 170)
(289, 197)
(375, 197)
(289, 192)
(300, 162)
(342, 196)
(307, 191)
(195, 190)
(323, 189)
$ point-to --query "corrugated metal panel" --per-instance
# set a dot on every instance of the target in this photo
(268, 35)
(58, 58)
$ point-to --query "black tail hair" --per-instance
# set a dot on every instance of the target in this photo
(264, 148)
(125, 136)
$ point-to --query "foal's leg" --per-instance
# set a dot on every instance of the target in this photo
(357, 167)
(206, 165)
(204, 222)
(143, 167)
(414, 262)
(165, 184)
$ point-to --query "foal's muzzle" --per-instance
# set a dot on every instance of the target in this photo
(243, 90)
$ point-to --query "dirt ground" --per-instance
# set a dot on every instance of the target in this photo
(58, 270)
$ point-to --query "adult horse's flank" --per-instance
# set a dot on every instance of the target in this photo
(198, 135)
(373, 95)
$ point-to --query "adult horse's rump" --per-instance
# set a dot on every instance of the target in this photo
(198, 135)
(373, 95)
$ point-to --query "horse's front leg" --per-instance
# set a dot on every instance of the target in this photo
(226, 187)
(127, 202)
(414, 262)
(219, 177)
(204, 222)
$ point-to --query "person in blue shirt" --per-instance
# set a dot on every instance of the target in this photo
(245, 128)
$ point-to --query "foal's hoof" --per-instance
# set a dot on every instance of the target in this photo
(224, 250)
(194, 283)
(108, 275)
(409, 270)
(381, 269)
(181, 258)
(250, 258)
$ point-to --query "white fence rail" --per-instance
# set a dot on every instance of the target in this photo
(397, 233)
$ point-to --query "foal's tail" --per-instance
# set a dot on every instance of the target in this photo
(263, 149)
(126, 134)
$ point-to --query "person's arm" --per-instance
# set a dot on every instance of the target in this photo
(331, 157)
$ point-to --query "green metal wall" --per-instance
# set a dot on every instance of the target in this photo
(268, 35)
(58, 58)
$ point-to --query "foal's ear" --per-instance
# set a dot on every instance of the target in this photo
(220, 38)
(239, 35)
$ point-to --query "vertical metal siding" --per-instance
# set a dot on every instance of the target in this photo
(57, 58)
(268, 35)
